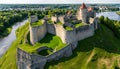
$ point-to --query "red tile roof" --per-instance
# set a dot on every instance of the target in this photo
(83, 6)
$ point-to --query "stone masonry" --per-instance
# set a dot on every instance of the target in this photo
(70, 37)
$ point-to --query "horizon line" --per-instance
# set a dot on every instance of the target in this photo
(59, 3)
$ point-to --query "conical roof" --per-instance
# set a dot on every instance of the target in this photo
(83, 6)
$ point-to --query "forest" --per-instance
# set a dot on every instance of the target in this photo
(9, 18)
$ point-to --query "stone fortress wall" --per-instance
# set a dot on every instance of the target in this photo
(34, 61)
(70, 37)
(37, 33)
(67, 36)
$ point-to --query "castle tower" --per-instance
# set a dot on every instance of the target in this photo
(82, 13)
(33, 19)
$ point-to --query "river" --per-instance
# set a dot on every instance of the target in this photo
(111, 15)
(7, 41)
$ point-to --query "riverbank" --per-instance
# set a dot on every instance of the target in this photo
(118, 12)
(6, 42)
(8, 18)
(8, 60)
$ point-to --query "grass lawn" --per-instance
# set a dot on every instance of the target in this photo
(38, 23)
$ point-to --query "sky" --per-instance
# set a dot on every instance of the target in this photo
(56, 1)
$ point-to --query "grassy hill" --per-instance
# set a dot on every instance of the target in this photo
(98, 52)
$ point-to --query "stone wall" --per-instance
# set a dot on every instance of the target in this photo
(33, 19)
(33, 61)
(96, 23)
(60, 31)
(37, 33)
(84, 32)
(23, 59)
(51, 28)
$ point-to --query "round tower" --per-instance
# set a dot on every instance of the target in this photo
(82, 13)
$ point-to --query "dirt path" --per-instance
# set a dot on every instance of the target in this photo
(90, 57)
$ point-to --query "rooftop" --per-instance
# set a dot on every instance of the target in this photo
(83, 6)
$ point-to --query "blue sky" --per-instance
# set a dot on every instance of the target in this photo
(56, 1)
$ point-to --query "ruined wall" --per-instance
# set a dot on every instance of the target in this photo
(60, 31)
(65, 35)
(23, 59)
(96, 23)
(64, 52)
(51, 28)
(70, 36)
(54, 18)
(37, 33)
(61, 19)
(38, 62)
(33, 19)
(33, 61)
(84, 32)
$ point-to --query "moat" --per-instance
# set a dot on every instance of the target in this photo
(5, 43)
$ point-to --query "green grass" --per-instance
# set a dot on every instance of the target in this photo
(50, 22)
(118, 12)
(38, 23)
(51, 41)
(68, 28)
(79, 24)
(59, 23)
(8, 60)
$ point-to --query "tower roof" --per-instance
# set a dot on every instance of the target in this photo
(83, 6)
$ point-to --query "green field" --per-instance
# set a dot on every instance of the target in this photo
(97, 52)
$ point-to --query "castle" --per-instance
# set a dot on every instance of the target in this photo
(70, 28)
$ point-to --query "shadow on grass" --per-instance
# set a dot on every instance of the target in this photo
(48, 37)
(103, 39)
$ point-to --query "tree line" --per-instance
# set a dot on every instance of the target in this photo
(9, 18)
(114, 25)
